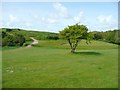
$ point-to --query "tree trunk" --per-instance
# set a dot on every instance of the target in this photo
(70, 43)
(72, 50)
(73, 45)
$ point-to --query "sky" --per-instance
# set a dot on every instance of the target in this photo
(55, 16)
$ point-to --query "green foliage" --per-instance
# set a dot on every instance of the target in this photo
(112, 36)
(36, 34)
(108, 36)
(53, 36)
(4, 34)
(98, 35)
(19, 39)
(74, 34)
(8, 30)
(8, 41)
(19, 36)
(12, 39)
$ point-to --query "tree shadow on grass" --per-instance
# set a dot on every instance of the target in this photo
(87, 53)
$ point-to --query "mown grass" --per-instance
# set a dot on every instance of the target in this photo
(51, 65)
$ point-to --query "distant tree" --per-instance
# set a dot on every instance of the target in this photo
(74, 34)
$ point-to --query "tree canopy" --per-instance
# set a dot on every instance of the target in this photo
(74, 34)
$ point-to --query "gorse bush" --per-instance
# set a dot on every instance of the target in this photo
(12, 39)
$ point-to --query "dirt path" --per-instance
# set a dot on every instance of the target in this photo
(33, 43)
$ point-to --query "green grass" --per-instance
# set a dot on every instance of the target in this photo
(94, 45)
(51, 65)
(9, 48)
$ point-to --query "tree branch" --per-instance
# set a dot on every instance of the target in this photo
(76, 43)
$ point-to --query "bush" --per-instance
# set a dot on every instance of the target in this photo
(8, 30)
(3, 34)
(13, 40)
(19, 39)
(8, 41)
(112, 36)
(108, 36)
(53, 36)
(98, 36)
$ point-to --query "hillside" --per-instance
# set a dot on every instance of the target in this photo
(28, 33)
(10, 35)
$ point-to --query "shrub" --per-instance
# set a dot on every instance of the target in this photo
(53, 36)
(13, 40)
(4, 34)
(8, 30)
(8, 41)
(19, 39)
(98, 36)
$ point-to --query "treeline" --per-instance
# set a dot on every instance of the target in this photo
(111, 36)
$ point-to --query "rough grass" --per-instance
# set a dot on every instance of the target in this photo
(51, 65)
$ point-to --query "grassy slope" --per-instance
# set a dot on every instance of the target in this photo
(28, 33)
(50, 65)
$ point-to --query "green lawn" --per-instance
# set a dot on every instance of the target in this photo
(51, 65)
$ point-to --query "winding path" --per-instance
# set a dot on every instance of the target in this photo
(33, 43)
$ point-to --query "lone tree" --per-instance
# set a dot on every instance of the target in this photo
(74, 34)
